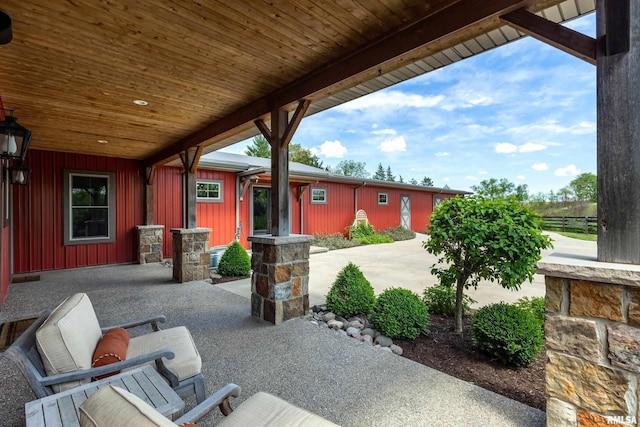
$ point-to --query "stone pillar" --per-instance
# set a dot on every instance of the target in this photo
(593, 341)
(280, 280)
(149, 243)
(190, 254)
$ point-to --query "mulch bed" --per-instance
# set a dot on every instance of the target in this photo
(455, 355)
(223, 279)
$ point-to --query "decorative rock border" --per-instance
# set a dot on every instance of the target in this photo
(356, 327)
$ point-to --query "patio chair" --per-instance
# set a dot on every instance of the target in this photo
(361, 217)
(56, 352)
(113, 406)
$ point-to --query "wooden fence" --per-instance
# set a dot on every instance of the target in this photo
(574, 224)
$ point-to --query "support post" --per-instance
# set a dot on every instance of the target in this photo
(618, 100)
(190, 159)
(150, 174)
(279, 175)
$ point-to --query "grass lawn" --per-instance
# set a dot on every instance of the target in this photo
(581, 236)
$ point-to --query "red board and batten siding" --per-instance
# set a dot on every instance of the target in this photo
(333, 216)
(38, 213)
(167, 207)
(220, 217)
(5, 250)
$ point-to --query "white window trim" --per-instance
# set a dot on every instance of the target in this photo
(111, 208)
(318, 202)
(386, 199)
(218, 199)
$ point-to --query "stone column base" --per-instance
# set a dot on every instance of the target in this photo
(149, 243)
(280, 280)
(190, 254)
(592, 335)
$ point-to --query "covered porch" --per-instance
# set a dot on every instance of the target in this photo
(344, 381)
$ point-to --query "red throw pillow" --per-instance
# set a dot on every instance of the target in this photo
(111, 348)
(188, 425)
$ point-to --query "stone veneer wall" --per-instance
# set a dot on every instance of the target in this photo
(593, 342)
(149, 243)
(280, 280)
(191, 258)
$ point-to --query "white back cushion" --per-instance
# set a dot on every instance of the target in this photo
(67, 339)
(112, 406)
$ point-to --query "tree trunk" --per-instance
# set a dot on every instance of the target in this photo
(459, 306)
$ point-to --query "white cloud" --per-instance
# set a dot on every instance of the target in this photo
(539, 166)
(446, 179)
(470, 178)
(483, 173)
(442, 154)
(333, 149)
(529, 147)
(383, 132)
(393, 145)
(505, 147)
(521, 177)
(581, 128)
(570, 170)
(390, 100)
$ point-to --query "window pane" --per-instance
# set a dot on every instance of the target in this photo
(89, 191)
(89, 222)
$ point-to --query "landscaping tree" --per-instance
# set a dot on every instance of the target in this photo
(494, 189)
(351, 168)
(259, 147)
(585, 187)
(389, 175)
(380, 173)
(484, 239)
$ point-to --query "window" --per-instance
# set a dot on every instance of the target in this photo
(383, 198)
(209, 191)
(89, 209)
(318, 195)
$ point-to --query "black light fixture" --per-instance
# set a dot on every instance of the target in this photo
(5, 28)
(14, 139)
(19, 174)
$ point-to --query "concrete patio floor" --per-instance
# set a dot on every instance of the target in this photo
(338, 378)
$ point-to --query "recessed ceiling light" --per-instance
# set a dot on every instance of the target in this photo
(102, 141)
(140, 102)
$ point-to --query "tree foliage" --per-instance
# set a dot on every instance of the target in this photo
(259, 147)
(389, 175)
(479, 238)
(585, 187)
(427, 182)
(380, 173)
(351, 168)
(494, 189)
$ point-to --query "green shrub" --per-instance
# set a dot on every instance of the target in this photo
(334, 241)
(351, 293)
(441, 299)
(362, 230)
(234, 261)
(374, 239)
(399, 313)
(535, 306)
(508, 333)
(399, 233)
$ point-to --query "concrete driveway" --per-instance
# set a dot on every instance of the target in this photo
(406, 264)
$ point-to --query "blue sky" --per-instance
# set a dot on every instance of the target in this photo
(525, 111)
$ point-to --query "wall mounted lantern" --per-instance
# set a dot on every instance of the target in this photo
(14, 139)
(19, 174)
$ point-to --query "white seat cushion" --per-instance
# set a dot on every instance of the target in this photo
(263, 409)
(67, 339)
(187, 361)
(112, 406)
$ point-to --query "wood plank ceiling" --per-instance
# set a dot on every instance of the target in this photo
(75, 67)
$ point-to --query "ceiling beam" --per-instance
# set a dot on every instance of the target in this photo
(558, 36)
(428, 29)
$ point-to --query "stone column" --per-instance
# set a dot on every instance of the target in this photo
(190, 254)
(593, 341)
(149, 243)
(280, 280)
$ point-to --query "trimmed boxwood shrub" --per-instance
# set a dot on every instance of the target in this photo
(535, 306)
(399, 313)
(441, 299)
(234, 261)
(351, 293)
(508, 333)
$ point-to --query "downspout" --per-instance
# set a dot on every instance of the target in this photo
(301, 201)
(237, 208)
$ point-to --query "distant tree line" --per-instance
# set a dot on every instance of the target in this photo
(260, 147)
